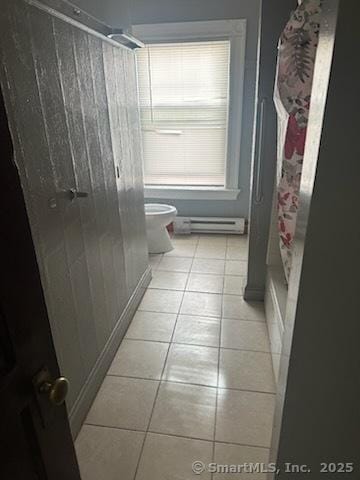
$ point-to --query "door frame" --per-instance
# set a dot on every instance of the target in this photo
(317, 415)
(273, 18)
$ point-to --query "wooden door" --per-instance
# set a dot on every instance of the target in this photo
(36, 442)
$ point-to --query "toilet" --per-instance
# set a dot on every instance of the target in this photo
(158, 217)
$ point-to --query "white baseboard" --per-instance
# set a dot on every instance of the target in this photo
(254, 294)
(88, 392)
(275, 306)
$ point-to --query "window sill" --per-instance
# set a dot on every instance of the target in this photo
(191, 193)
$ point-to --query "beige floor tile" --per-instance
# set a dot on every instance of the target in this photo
(154, 260)
(123, 403)
(208, 265)
(200, 282)
(152, 326)
(169, 280)
(211, 250)
(182, 250)
(234, 285)
(108, 453)
(136, 358)
(237, 308)
(237, 240)
(228, 454)
(244, 417)
(235, 267)
(237, 252)
(205, 304)
(197, 330)
(244, 335)
(166, 301)
(175, 264)
(184, 239)
(184, 410)
(192, 364)
(246, 370)
(212, 238)
(171, 458)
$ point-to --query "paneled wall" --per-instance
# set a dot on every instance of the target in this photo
(72, 105)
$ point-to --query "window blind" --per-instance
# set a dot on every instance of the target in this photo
(184, 100)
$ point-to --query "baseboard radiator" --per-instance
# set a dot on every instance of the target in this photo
(187, 225)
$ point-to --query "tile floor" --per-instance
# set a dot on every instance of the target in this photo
(192, 380)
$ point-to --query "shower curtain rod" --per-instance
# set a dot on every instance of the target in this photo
(72, 15)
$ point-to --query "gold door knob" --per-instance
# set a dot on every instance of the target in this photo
(56, 390)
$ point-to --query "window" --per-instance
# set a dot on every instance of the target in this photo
(191, 79)
(184, 99)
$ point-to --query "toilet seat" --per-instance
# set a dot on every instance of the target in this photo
(159, 209)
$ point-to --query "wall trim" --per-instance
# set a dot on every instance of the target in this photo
(191, 193)
(197, 29)
(88, 392)
(274, 321)
(254, 294)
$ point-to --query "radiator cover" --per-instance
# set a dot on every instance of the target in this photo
(187, 225)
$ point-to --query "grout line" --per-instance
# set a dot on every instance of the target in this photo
(150, 417)
(90, 424)
(219, 357)
(152, 410)
(202, 273)
(158, 388)
(175, 342)
(224, 442)
(207, 440)
(181, 303)
(199, 291)
(165, 362)
(114, 427)
(199, 344)
(263, 322)
(198, 272)
(185, 290)
(183, 436)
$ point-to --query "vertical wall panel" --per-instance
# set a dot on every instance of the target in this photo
(121, 248)
(51, 100)
(119, 152)
(73, 111)
(97, 228)
(136, 149)
(113, 227)
(127, 166)
(74, 118)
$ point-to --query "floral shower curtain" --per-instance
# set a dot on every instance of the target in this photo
(296, 58)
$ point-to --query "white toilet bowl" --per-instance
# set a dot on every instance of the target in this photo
(158, 216)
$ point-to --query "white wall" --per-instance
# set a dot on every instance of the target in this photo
(119, 13)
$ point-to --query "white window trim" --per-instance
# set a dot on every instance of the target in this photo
(235, 31)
